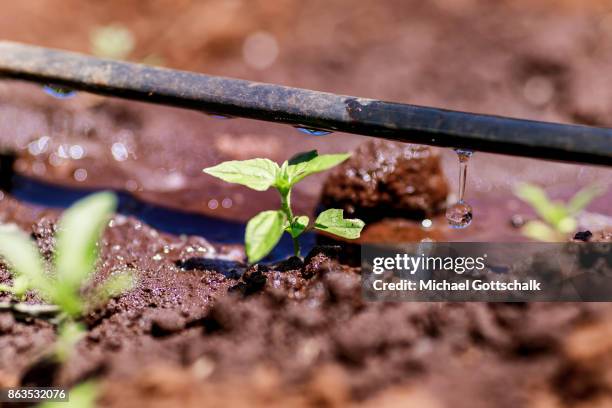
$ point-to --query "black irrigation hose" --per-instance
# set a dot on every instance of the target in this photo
(234, 97)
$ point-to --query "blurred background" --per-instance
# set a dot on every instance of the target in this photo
(536, 59)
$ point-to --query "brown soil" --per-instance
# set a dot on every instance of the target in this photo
(385, 179)
(195, 333)
(299, 334)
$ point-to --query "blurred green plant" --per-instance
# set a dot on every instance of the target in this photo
(265, 229)
(557, 219)
(83, 395)
(113, 41)
(76, 255)
(116, 41)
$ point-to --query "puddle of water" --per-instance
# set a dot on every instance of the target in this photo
(164, 219)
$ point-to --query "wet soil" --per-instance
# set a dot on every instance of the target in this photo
(298, 333)
(201, 328)
(385, 179)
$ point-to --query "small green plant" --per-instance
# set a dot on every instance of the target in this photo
(265, 229)
(116, 41)
(83, 395)
(113, 41)
(558, 219)
(76, 255)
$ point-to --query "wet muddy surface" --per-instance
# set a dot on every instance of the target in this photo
(203, 328)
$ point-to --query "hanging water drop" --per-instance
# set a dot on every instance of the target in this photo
(459, 215)
(59, 92)
(219, 116)
(312, 131)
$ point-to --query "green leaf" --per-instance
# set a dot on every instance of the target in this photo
(113, 41)
(70, 333)
(68, 299)
(309, 163)
(18, 249)
(114, 286)
(83, 395)
(583, 197)
(303, 157)
(549, 211)
(80, 229)
(21, 284)
(263, 233)
(333, 221)
(257, 174)
(6, 288)
(298, 226)
(540, 231)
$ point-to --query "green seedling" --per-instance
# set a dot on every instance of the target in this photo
(117, 42)
(76, 255)
(557, 219)
(265, 229)
(83, 395)
(113, 41)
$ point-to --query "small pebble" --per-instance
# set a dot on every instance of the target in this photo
(583, 235)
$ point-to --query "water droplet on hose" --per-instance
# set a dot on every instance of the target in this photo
(459, 215)
(219, 116)
(312, 131)
(59, 92)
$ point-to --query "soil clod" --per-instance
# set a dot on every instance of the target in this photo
(387, 179)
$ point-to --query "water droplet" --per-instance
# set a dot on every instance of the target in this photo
(517, 221)
(227, 203)
(76, 152)
(213, 204)
(218, 116)
(55, 160)
(131, 185)
(119, 151)
(312, 131)
(39, 146)
(59, 92)
(80, 174)
(459, 215)
(39, 168)
(63, 151)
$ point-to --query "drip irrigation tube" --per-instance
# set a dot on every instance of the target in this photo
(301, 107)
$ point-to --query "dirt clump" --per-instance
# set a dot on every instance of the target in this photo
(388, 179)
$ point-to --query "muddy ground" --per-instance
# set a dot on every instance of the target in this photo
(193, 332)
